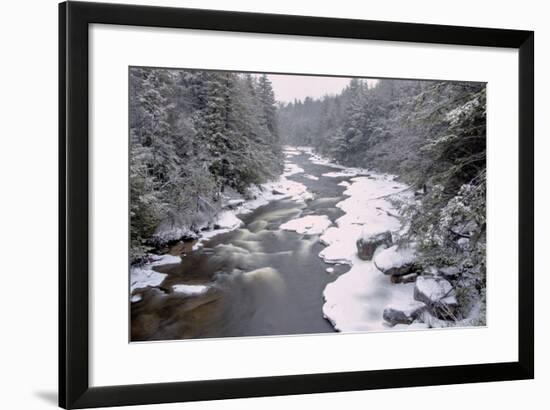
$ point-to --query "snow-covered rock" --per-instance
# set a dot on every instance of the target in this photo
(396, 260)
(432, 290)
(227, 220)
(438, 294)
(367, 244)
(403, 314)
(308, 225)
(449, 271)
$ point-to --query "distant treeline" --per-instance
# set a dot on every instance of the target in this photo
(432, 134)
(193, 135)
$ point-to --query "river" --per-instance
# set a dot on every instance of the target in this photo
(256, 280)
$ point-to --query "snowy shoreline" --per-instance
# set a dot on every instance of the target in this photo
(382, 290)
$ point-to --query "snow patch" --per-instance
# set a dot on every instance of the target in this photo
(290, 151)
(312, 177)
(356, 301)
(431, 290)
(347, 172)
(394, 257)
(228, 220)
(144, 276)
(340, 243)
(309, 225)
(190, 289)
(292, 169)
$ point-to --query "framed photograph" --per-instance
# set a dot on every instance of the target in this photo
(256, 204)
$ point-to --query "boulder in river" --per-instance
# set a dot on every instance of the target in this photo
(396, 260)
(367, 245)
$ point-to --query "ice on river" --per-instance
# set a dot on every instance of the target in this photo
(308, 225)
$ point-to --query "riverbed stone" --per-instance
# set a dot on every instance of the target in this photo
(366, 246)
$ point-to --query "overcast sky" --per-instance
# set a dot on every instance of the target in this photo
(290, 87)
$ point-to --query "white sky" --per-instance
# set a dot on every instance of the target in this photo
(290, 87)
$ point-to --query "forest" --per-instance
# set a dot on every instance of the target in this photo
(202, 141)
(193, 136)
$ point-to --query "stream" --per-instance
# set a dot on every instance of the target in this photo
(256, 280)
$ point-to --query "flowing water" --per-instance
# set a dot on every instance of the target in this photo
(262, 280)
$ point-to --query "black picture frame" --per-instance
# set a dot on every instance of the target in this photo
(74, 387)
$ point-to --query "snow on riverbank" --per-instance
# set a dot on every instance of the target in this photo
(367, 212)
(144, 275)
(357, 299)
